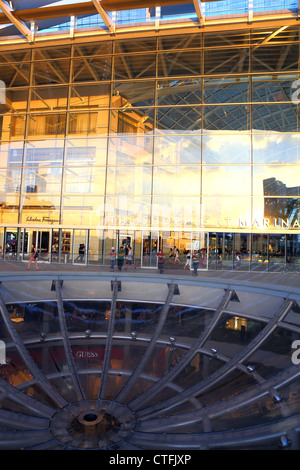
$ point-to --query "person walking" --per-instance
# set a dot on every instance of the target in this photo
(121, 255)
(176, 254)
(34, 257)
(129, 258)
(112, 255)
(160, 261)
(195, 261)
(81, 252)
(188, 260)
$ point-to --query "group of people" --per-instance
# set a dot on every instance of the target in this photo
(123, 254)
(192, 260)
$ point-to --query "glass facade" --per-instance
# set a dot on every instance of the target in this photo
(187, 140)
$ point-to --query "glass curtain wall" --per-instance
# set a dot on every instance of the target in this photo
(152, 142)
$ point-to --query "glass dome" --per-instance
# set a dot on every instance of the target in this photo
(99, 361)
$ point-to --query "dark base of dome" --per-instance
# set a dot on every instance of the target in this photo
(92, 424)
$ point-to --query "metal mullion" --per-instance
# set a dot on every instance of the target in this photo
(216, 377)
(17, 396)
(136, 374)
(33, 368)
(107, 356)
(169, 377)
(66, 342)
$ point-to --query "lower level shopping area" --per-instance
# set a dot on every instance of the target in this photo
(216, 250)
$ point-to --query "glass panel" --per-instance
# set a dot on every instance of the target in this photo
(177, 180)
(277, 213)
(44, 153)
(235, 331)
(224, 147)
(175, 213)
(221, 252)
(226, 90)
(12, 127)
(15, 101)
(184, 62)
(52, 52)
(52, 98)
(275, 117)
(15, 74)
(280, 180)
(90, 96)
(9, 209)
(179, 119)
(132, 45)
(134, 66)
(42, 180)
(88, 179)
(11, 154)
(92, 69)
(136, 93)
(179, 92)
(293, 252)
(225, 60)
(272, 88)
(135, 150)
(226, 118)
(226, 180)
(11, 243)
(226, 212)
(127, 212)
(66, 246)
(91, 151)
(276, 147)
(178, 150)
(91, 49)
(80, 246)
(43, 125)
(129, 180)
(84, 209)
(38, 209)
(51, 71)
(242, 246)
(149, 249)
(96, 246)
(266, 58)
(10, 181)
(131, 121)
(88, 123)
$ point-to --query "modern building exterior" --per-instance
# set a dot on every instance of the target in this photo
(174, 126)
(154, 136)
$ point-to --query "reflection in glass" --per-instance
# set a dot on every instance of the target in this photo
(44, 153)
(84, 209)
(279, 180)
(178, 92)
(84, 180)
(135, 150)
(225, 147)
(129, 180)
(275, 147)
(40, 209)
(42, 180)
(177, 149)
(91, 151)
(177, 180)
(226, 180)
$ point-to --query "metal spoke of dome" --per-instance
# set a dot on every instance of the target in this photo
(44, 384)
(167, 378)
(209, 382)
(134, 377)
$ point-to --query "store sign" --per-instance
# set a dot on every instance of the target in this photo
(41, 220)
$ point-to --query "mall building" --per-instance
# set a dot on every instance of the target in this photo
(175, 125)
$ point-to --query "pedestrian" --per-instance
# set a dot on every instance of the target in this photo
(238, 260)
(176, 255)
(112, 255)
(34, 257)
(195, 261)
(188, 260)
(160, 261)
(80, 252)
(171, 255)
(121, 255)
(129, 258)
